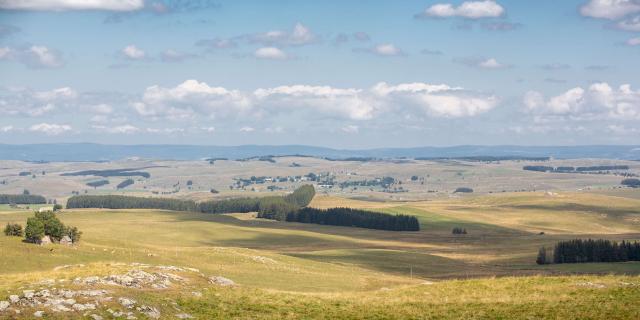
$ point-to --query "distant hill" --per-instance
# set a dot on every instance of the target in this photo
(103, 152)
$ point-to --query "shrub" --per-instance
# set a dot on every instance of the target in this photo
(633, 183)
(13, 229)
(57, 207)
(458, 230)
(542, 256)
(34, 230)
(73, 233)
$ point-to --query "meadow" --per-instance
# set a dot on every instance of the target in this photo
(292, 270)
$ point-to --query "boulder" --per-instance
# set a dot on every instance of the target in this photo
(221, 281)
(3, 305)
(66, 240)
(44, 241)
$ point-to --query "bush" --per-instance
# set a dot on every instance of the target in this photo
(57, 207)
(34, 230)
(13, 229)
(458, 230)
(73, 233)
(633, 183)
(542, 256)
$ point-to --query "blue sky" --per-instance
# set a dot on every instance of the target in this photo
(332, 73)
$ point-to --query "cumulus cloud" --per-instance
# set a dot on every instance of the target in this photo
(68, 5)
(270, 53)
(632, 24)
(343, 38)
(384, 50)
(468, 9)
(189, 99)
(217, 43)
(50, 129)
(351, 129)
(247, 129)
(609, 9)
(299, 36)
(133, 53)
(123, 129)
(34, 56)
(482, 63)
(598, 100)
(346, 103)
(24, 102)
(436, 100)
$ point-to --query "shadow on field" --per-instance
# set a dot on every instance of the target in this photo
(405, 263)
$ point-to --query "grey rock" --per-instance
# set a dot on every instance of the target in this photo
(221, 281)
(38, 314)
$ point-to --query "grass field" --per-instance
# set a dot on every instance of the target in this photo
(291, 270)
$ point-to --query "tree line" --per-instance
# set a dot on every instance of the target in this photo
(22, 199)
(291, 208)
(349, 217)
(299, 198)
(590, 250)
(633, 183)
(575, 169)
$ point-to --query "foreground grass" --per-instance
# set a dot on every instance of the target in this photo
(534, 297)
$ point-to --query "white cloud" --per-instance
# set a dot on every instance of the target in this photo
(609, 9)
(33, 104)
(217, 43)
(482, 63)
(50, 129)
(188, 99)
(633, 42)
(597, 101)
(134, 53)
(468, 9)
(102, 109)
(5, 52)
(247, 129)
(351, 128)
(64, 93)
(64, 5)
(387, 49)
(6, 129)
(300, 35)
(208, 129)
(123, 129)
(41, 57)
(435, 100)
(345, 103)
(632, 24)
(271, 53)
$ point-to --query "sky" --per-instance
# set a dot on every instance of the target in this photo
(335, 73)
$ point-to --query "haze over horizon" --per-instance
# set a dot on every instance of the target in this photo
(338, 74)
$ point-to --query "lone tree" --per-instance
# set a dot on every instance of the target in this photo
(542, 256)
(34, 230)
(48, 224)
